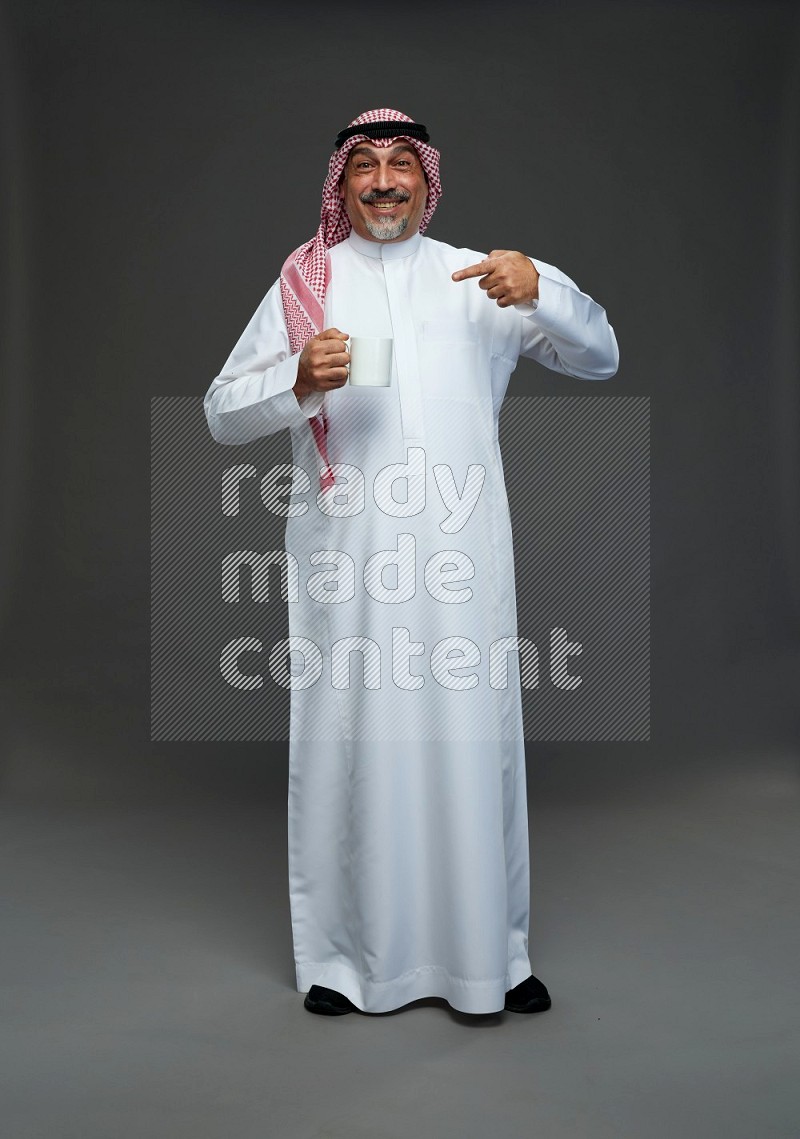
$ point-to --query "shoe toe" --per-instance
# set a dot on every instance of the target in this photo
(327, 1002)
(529, 996)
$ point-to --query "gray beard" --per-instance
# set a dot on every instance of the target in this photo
(386, 230)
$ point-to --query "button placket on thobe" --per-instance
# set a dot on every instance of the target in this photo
(396, 276)
(396, 273)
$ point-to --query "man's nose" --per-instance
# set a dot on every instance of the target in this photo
(383, 180)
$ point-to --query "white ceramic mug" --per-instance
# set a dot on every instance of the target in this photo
(370, 362)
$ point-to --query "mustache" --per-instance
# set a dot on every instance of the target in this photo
(386, 196)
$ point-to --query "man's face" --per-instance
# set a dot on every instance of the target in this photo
(384, 191)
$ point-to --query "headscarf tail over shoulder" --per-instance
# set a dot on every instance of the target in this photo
(306, 271)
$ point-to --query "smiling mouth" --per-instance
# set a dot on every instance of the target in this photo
(385, 207)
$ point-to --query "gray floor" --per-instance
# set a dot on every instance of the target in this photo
(148, 984)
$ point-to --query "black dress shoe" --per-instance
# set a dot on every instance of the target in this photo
(529, 996)
(327, 1001)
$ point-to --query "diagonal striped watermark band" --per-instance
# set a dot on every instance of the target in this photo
(223, 663)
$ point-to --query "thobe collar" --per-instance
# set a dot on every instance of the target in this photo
(385, 250)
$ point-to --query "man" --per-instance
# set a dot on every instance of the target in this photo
(408, 839)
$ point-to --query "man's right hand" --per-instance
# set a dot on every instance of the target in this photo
(322, 363)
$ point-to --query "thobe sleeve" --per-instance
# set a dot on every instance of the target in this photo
(566, 330)
(252, 395)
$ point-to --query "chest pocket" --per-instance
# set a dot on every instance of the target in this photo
(451, 359)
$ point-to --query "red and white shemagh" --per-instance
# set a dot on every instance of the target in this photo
(306, 272)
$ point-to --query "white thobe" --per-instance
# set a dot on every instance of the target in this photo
(408, 829)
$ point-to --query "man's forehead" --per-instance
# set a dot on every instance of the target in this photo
(376, 151)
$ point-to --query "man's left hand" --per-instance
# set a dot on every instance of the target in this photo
(509, 277)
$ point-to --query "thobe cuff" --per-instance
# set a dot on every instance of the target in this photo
(548, 294)
(311, 404)
(290, 407)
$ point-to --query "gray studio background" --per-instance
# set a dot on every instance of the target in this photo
(159, 161)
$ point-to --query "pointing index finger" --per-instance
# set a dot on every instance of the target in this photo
(478, 270)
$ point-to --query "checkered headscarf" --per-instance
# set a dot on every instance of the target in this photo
(304, 276)
(306, 272)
